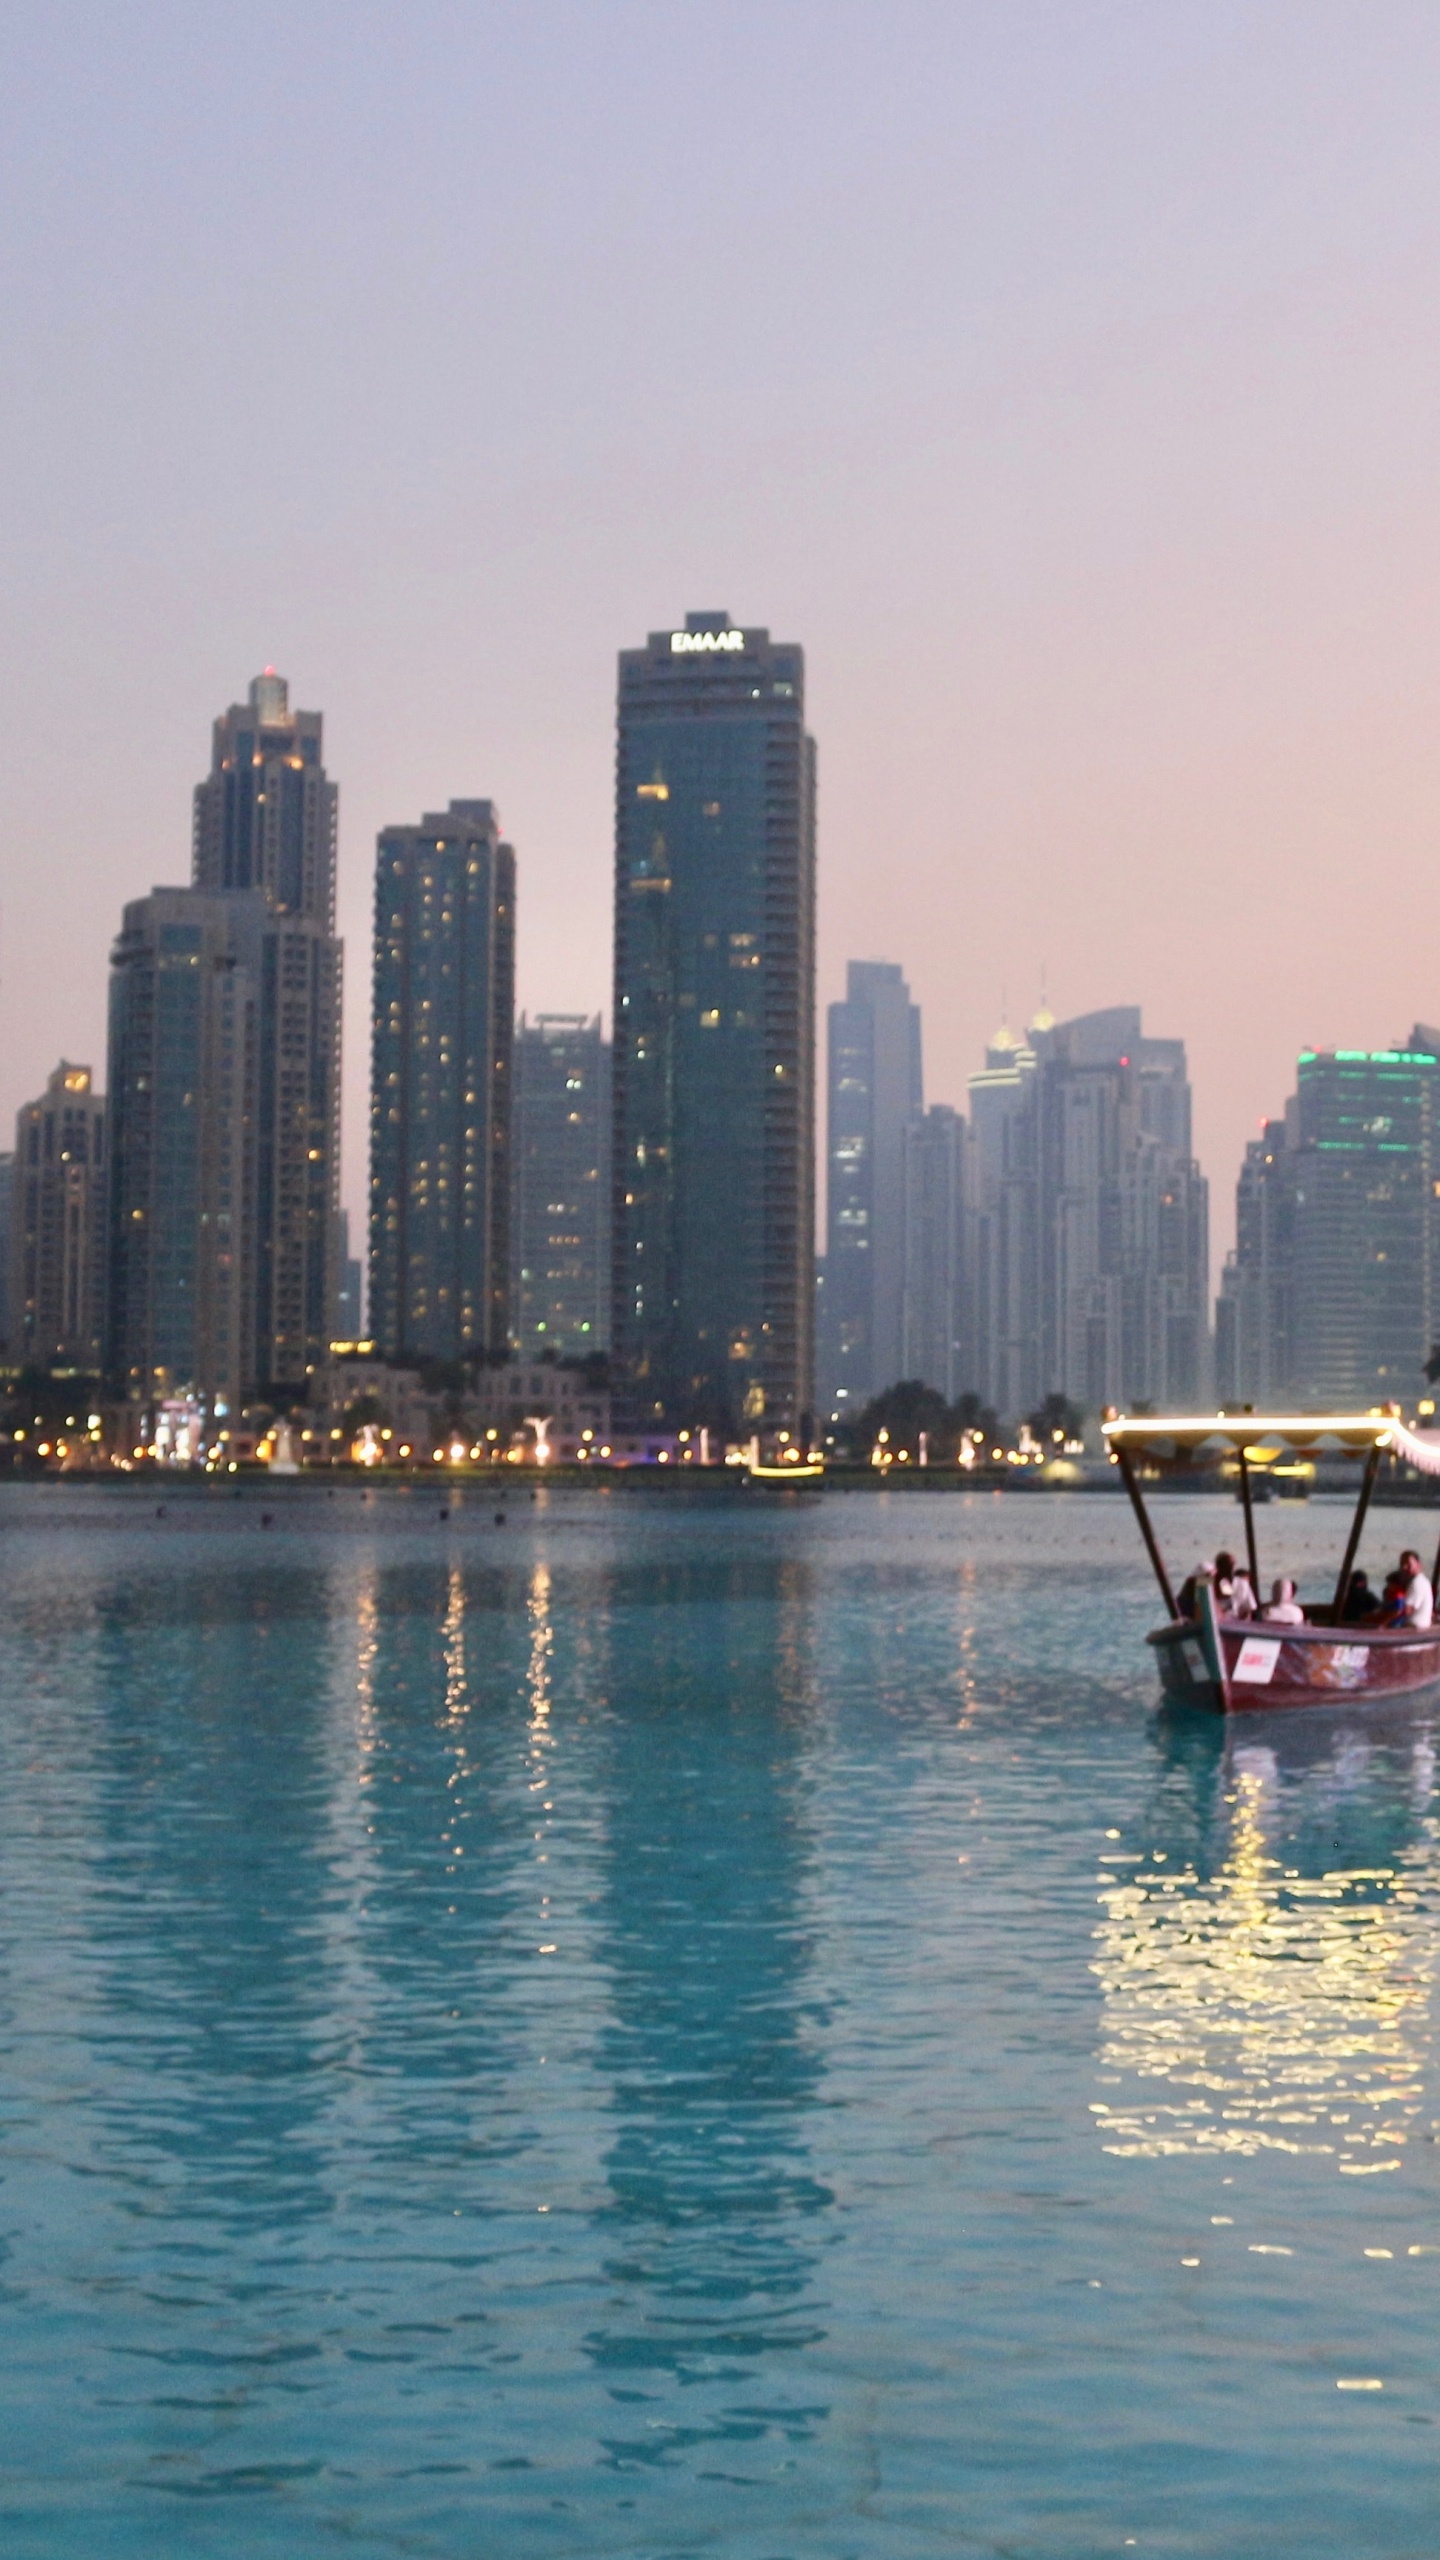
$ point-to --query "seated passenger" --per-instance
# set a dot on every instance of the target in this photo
(1417, 1598)
(1284, 1609)
(1234, 1597)
(1188, 1602)
(1360, 1601)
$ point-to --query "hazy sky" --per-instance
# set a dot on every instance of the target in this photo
(1066, 379)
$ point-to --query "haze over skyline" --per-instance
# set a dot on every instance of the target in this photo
(1062, 379)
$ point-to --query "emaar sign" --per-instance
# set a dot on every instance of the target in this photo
(695, 644)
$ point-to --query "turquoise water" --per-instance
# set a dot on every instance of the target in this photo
(666, 2029)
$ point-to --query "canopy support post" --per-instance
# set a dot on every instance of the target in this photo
(1251, 1557)
(1342, 1587)
(1127, 1470)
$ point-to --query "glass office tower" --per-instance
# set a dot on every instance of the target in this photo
(440, 1086)
(1332, 1297)
(713, 1071)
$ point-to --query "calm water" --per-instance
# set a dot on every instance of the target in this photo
(696, 2030)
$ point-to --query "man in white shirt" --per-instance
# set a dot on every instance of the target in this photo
(1284, 1609)
(1419, 1600)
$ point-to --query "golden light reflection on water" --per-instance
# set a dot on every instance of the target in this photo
(367, 1643)
(1258, 2009)
(542, 1646)
(452, 1639)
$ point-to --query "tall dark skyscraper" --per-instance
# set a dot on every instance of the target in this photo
(876, 1090)
(713, 1199)
(440, 1086)
(560, 1240)
(57, 1245)
(265, 821)
(186, 994)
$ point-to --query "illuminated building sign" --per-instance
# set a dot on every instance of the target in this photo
(695, 644)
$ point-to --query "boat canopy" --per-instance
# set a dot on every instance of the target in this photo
(1261, 1435)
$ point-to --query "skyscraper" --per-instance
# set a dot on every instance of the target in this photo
(937, 1331)
(187, 992)
(1091, 1219)
(7, 1196)
(1332, 1297)
(1005, 1273)
(440, 1106)
(560, 1296)
(713, 1213)
(265, 819)
(875, 1091)
(56, 1291)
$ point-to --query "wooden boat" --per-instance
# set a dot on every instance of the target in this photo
(1239, 1663)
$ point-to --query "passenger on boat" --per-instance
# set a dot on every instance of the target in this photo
(1234, 1594)
(1284, 1609)
(1188, 1602)
(1417, 1599)
(1360, 1601)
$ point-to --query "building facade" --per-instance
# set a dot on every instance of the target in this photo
(713, 1067)
(7, 1195)
(187, 993)
(937, 1327)
(560, 1222)
(1091, 1220)
(1332, 1296)
(350, 1295)
(440, 1091)
(55, 1297)
(265, 824)
(875, 1090)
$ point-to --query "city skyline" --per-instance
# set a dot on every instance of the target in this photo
(970, 1251)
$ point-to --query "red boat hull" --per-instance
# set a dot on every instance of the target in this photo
(1237, 1665)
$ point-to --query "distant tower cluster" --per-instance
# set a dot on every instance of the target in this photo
(646, 1201)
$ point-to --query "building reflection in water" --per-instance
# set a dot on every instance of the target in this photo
(712, 2042)
(1266, 1955)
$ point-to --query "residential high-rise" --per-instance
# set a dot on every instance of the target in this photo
(1091, 1220)
(265, 819)
(713, 1162)
(937, 1330)
(875, 1091)
(440, 1100)
(56, 1292)
(1004, 1278)
(560, 1228)
(1332, 1297)
(187, 998)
